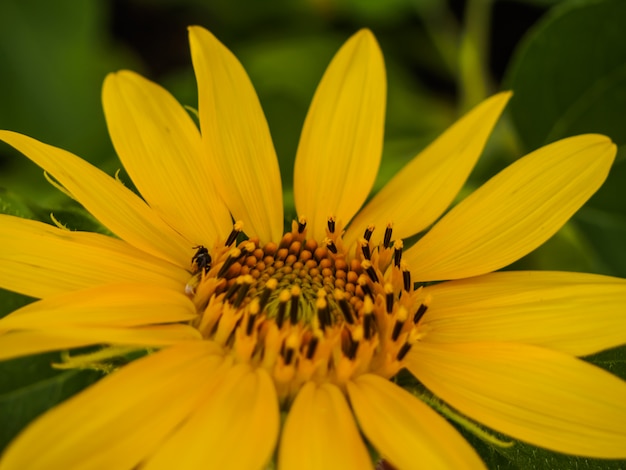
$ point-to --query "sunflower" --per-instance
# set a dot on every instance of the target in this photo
(270, 344)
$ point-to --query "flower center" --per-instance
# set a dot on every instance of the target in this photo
(306, 309)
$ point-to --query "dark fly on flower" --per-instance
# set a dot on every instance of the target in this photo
(202, 258)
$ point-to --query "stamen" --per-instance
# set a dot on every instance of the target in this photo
(310, 352)
(252, 313)
(233, 256)
(397, 252)
(403, 351)
(288, 355)
(246, 282)
(293, 311)
(387, 237)
(344, 305)
(323, 314)
(283, 298)
(331, 224)
(249, 247)
(369, 269)
(365, 249)
(400, 319)
(420, 313)
(406, 347)
(291, 344)
(406, 279)
(270, 286)
(362, 282)
(355, 338)
(368, 318)
(232, 289)
(389, 297)
(237, 227)
(301, 224)
(421, 310)
(308, 309)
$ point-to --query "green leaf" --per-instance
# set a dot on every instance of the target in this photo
(13, 204)
(569, 74)
(54, 56)
(603, 221)
(613, 360)
(68, 214)
(522, 456)
(546, 3)
(29, 386)
(10, 301)
(569, 77)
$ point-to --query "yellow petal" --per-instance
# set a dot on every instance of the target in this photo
(111, 305)
(123, 418)
(39, 260)
(23, 343)
(406, 431)
(425, 187)
(514, 212)
(114, 205)
(236, 138)
(543, 397)
(236, 426)
(575, 313)
(320, 432)
(161, 149)
(341, 142)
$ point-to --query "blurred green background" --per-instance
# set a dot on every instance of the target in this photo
(565, 60)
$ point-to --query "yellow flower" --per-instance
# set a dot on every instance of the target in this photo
(316, 322)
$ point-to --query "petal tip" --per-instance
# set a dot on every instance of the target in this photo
(199, 33)
(601, 145)
(116, 78)
(193, 29)
(365, 34)
(364, 39)
(498, 101)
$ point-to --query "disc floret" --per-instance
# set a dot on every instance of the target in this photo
(306, 310)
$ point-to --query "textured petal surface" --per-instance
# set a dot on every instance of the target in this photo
(26, 342)
(39, 260)
(111, 305)
(123, 418)
(514, 212)
(236, 426)
(406, 431)
(161, 149)
(320, 432)
(544, 397)
(575, 313)
(236, 138)
(425, 187)
(114, 205)
(341, 142)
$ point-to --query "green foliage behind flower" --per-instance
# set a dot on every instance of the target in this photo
(568, 72)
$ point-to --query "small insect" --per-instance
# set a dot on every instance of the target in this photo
(202, 258)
